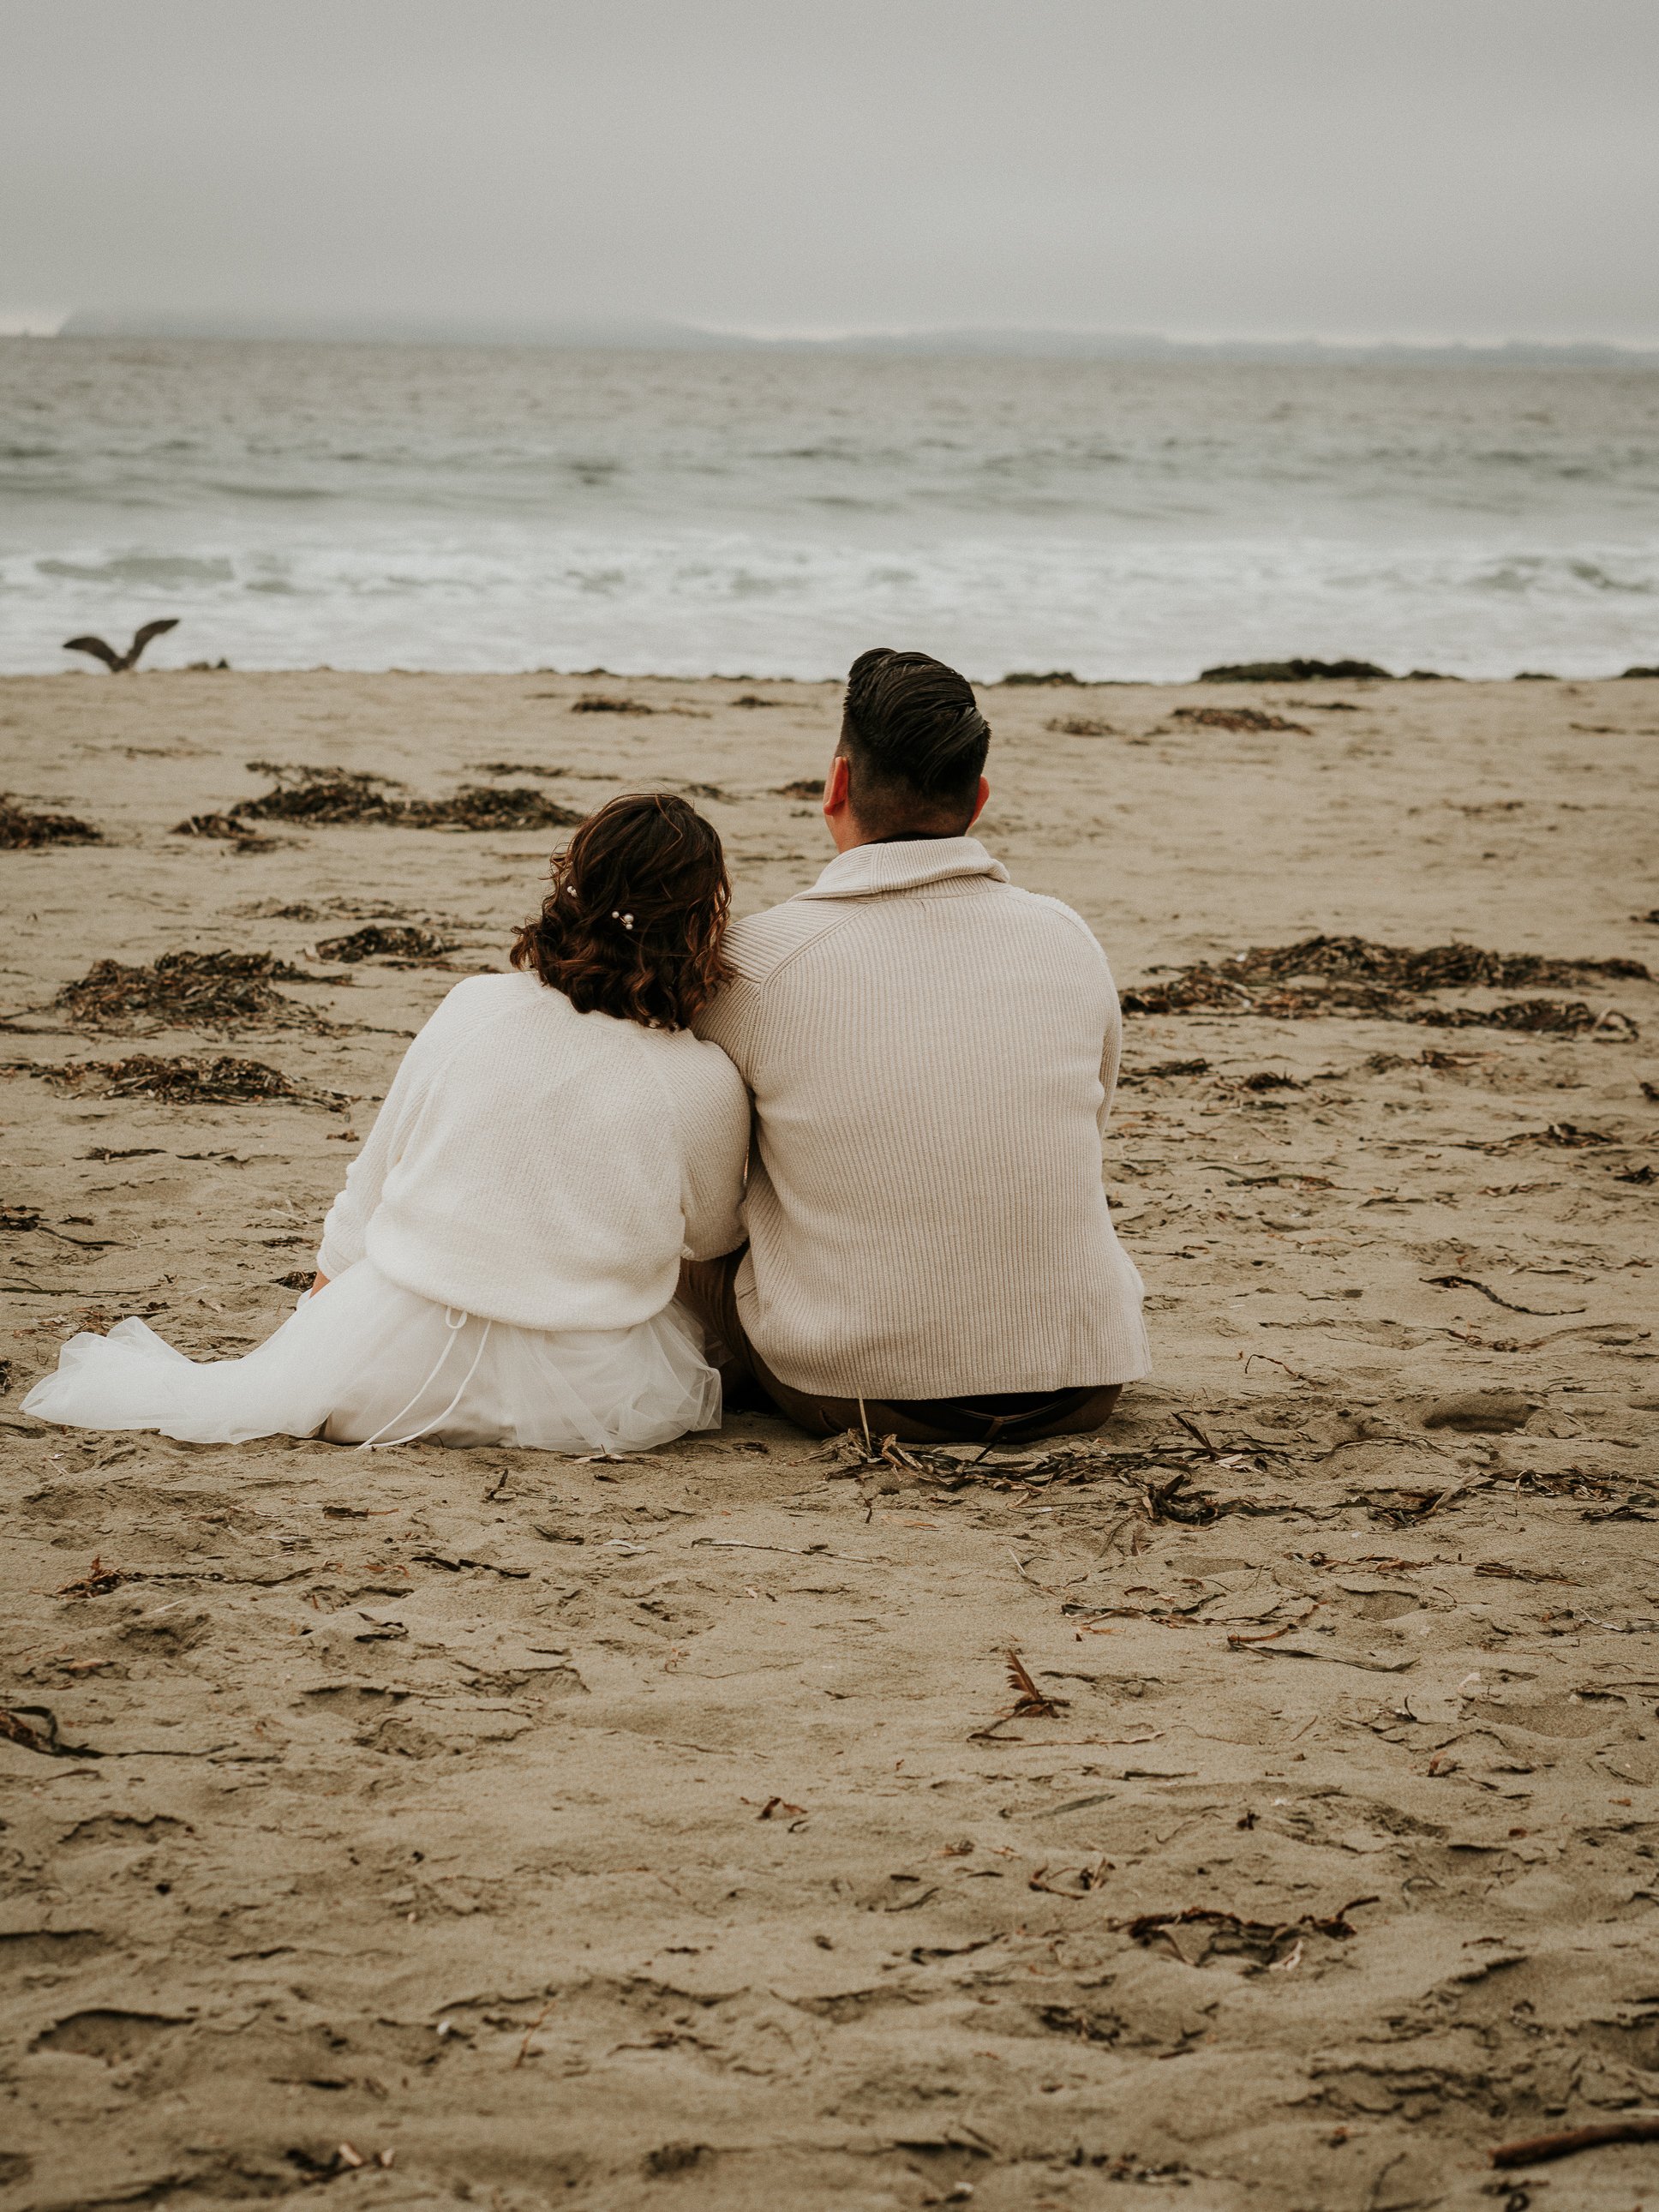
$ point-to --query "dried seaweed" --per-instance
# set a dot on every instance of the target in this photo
(220, 1082)
(600, 703)
(519, 767)
(1162, 1069)
(803, 787)
(190, 990)
(1237, 718)
(328, 797)
(225, 827)
(39, 1734)
(1352, 975)
(97, 1582)
(1295, 671)
(1267, 1942)
(401, 941)
(474, 806)
(20, 832)
(1566, 1135)
(319, 795)
(1080, 726)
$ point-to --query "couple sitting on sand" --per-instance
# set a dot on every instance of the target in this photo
(842, 1157)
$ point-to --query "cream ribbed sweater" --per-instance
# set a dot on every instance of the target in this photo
(535, 1165)
(932, 1054)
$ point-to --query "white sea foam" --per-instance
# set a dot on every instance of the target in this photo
(382, 506)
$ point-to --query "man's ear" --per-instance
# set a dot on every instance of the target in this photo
(836, 786)
(979, 803)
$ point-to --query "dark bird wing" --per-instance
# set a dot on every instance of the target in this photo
(141, 638)
(96, 646)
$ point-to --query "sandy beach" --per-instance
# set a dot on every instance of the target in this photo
(442, 1828)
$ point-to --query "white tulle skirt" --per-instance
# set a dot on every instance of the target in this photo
(365, 1363)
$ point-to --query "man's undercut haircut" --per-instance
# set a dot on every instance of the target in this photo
(915, 742)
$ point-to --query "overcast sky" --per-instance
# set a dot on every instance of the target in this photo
(1415, 168)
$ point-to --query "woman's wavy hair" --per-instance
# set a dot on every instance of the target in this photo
(635, 919)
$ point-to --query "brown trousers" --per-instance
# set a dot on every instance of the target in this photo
(708, 1289)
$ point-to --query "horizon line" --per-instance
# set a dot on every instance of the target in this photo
(625, 333)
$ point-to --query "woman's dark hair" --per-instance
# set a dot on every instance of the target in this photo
(635, 919)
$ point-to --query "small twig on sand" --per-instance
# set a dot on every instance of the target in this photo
(1536, 2148)
(524, 2047)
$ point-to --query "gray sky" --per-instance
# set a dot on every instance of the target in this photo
(1417, 168)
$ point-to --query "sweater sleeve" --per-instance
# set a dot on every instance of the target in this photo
(714, 1147)
(346, 1227)
(1111, 1054)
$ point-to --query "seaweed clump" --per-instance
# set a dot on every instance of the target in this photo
(1297, 672)
(1353, 975)
(399, 942)
(20, 832)
(190, 990)
(1235, 718)
(222, 1082)
(329, 797)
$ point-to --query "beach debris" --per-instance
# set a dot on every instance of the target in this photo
(1080, 726)
(1163, 1069)
(190, 990)
(1030, 1703)
(519, 767)
(1536, 2150)
(40, 1733)
(605, 702)
(1268, 1942)
(97, 1582)
(403, 943)
(1320, 975)
(1031, 676)
(805, 786)
(22, 831)
(222, 1082)
(1568, 1136)
(328, 797)
(1298, 672)
(1235, 718)
(754, 699)
(118, 663)
(1470, 1283)
(228, 828)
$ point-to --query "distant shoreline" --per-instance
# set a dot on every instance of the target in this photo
(652, 337)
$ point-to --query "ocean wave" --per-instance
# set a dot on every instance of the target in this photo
(693, 604)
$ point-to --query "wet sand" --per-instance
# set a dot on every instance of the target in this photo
(486, 1828)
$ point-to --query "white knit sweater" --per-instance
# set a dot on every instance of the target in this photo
(541, 1167)
(932, 1054)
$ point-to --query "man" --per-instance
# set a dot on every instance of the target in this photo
(932, 1054)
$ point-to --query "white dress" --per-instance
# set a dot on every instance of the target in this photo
(502, 1259)
(365, 1363)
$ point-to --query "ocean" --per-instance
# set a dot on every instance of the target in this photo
(772, 514)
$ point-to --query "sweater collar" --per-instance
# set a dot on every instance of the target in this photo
(904, 865)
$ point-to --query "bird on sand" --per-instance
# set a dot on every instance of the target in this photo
(118, 663)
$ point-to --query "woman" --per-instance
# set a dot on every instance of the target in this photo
(501, 1265)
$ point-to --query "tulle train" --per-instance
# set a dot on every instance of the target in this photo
(365, 1361)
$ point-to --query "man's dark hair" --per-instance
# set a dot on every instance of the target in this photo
(914, 743)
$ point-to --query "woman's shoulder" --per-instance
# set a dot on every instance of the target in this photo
(691, 1062)
(479, 1000)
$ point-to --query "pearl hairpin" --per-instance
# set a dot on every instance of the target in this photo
(626, 920)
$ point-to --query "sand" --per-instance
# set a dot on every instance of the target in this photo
(486, 1828)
